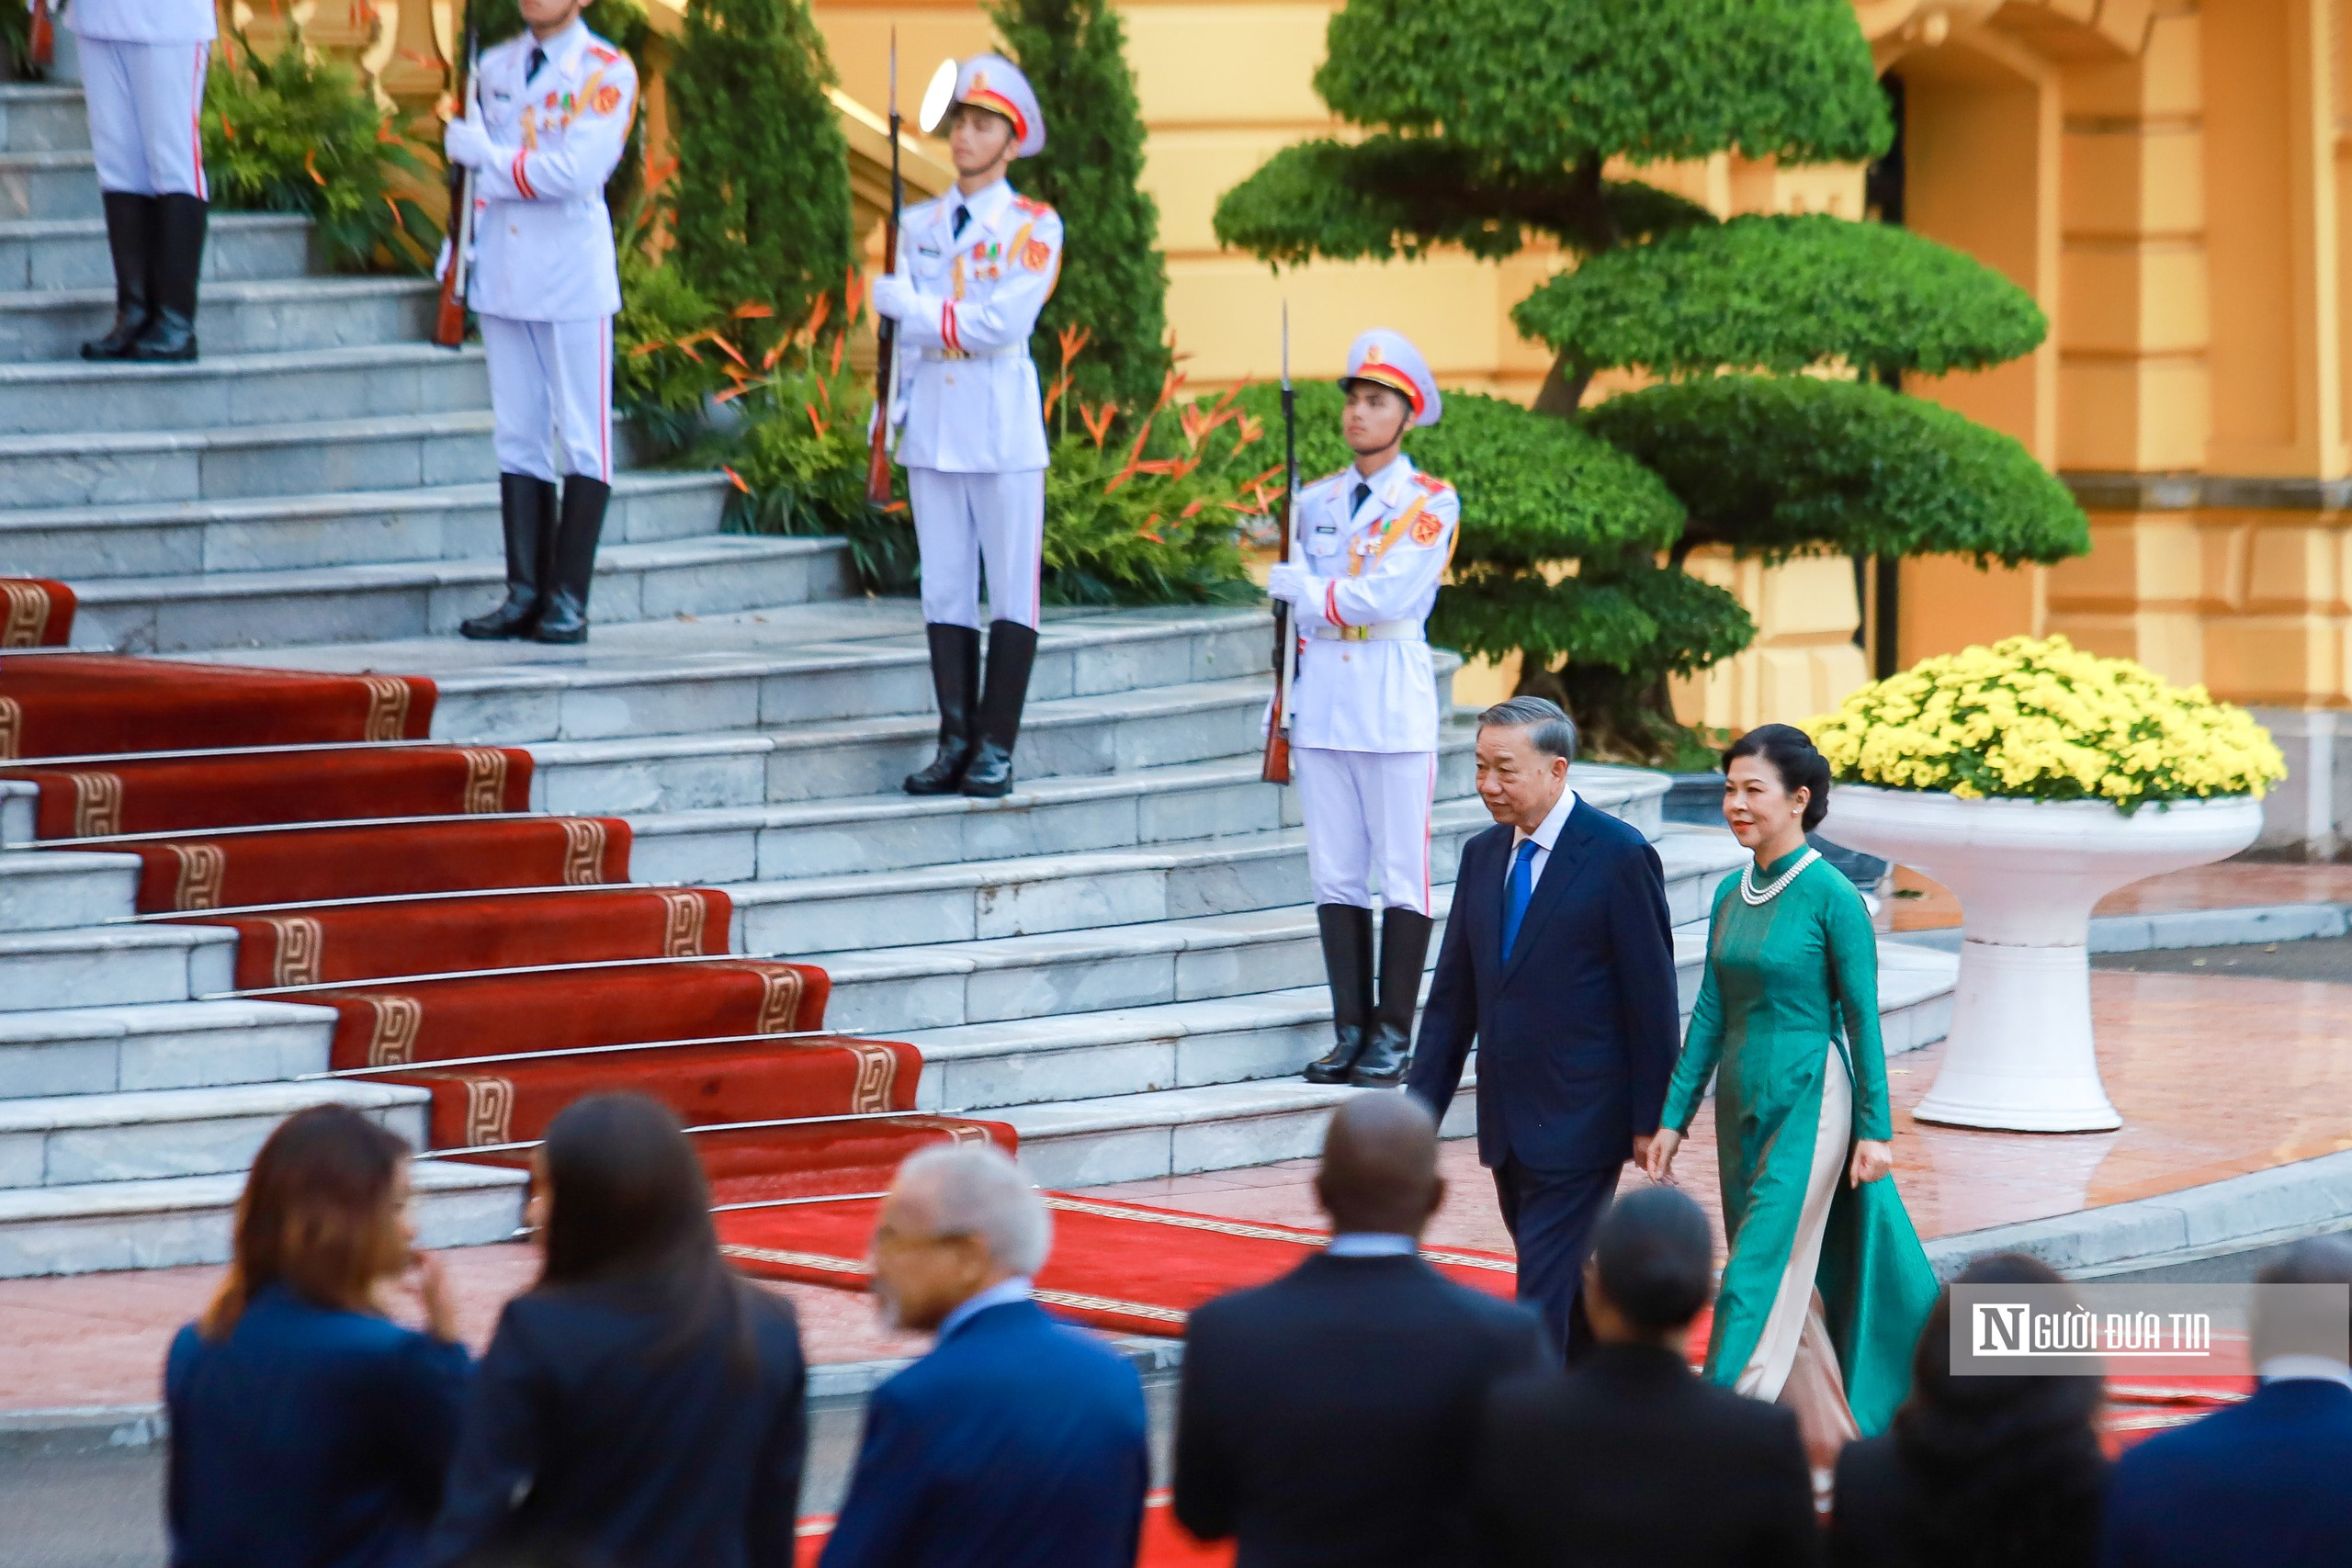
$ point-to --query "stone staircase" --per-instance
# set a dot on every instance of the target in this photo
(1116, 960)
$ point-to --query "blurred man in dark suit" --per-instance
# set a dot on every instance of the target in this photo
(1559, 960)
(1327, 1417)
(1018, 1442)
(1627, 1457)
(2264, 1484)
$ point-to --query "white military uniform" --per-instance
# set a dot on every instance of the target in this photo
(545, 282)
(142, 78)
(970, 417)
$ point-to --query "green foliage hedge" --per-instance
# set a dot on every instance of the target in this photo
(1783, 293)
(1113, 284)
(297, 132)
(1778, 466)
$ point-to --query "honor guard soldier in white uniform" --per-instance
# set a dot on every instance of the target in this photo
(143, 76)
(1372, 542)
(549, 124)
(975, 267)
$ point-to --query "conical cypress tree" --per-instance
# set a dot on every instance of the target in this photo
(761, 200)
(1114, 281)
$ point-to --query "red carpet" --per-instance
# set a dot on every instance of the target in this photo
(308, 946)
(1121, 1267)
(35, 613)
(70, 705)
(373, 860)
(130, 795)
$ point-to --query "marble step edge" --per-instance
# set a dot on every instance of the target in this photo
(60, 889)
(169, 1220)
(22, 375)
(49, 160)
(440, 424)
(322, 290)
(217, 220)
(158, 1107)
(161, 1045)
(713, 550)
(321, 506)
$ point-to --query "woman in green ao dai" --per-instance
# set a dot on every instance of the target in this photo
(1827, 1288)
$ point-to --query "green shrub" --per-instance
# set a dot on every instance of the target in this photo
(664, 372)
(296, 133)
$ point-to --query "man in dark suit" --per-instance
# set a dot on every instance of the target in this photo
(1627, 1457)
(1560, 959)
(2266, 1483)
(1327, 1417)
(1018, 1442)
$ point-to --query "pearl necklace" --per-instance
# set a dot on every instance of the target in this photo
(1756, 896)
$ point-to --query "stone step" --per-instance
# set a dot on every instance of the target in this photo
(72, 1140)
(40, 118)
(231, 318)
(107, 1050)
(50, 889)
(328, 529)
(113, 966)
(1072, 736)
(1222, 1122)
(352, 603)
(71, 252)
(183, 1219)
(58, 396)
(48, 182)
(236, 462)
(893, 989)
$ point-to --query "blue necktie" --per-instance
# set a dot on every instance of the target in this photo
(1517, 890)
(539, 58)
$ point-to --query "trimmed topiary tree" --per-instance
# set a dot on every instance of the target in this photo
(1487, 126)
(1114, 281)
(761, 202)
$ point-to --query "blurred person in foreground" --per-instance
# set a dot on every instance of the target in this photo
(1626, 1457)
(1327, 1417)
(307, 1427)
(2266, 1483)
(641, 1405)
(1017, 1441)
(1976, 1471)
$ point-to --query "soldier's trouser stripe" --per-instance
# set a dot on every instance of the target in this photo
(962, 521)
(1367, 823)
(143, 100)
(551, 396)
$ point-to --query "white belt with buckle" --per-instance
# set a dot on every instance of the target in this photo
(1005, 352)
(1379, 631)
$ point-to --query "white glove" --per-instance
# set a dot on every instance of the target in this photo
(467, 143)
(894, 297)
(1294, 584)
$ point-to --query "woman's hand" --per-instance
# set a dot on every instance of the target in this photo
(1873, 1158)
(1658, 1163)
(433, 1292)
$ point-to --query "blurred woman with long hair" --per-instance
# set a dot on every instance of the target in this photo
(1976, 1471)
(641, 1405)
(307, 1427)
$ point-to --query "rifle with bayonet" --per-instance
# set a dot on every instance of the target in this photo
(886, 330)
(449, 320)
(1275, 768)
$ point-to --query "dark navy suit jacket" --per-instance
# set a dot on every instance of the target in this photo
(309, 1438)
(1578, 1030)
(1018, 1442)
(2266, 1483)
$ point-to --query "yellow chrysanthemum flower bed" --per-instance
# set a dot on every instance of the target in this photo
(2040, 719)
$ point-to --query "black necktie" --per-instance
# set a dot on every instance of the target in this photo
(539, 58)
(1356, 504)
(962, 216)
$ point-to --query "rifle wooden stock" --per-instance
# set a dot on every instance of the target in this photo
(886, 330)
(1275, 767)
(40, 37)
(449, 315)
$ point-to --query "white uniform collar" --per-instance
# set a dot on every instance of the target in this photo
(1017, 1289)
(1370, 1243)
(2318, 1369)
(1385, 484)
(1547, 832)
(563, 49)
(986, 206)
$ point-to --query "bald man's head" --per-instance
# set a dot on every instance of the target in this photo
(1380, 1166)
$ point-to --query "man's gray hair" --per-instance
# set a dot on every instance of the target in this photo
(976, 1190)
(1549, 729)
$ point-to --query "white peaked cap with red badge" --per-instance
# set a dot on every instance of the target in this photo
(992, 82)
(1389, 359)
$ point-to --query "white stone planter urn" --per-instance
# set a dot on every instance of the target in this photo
(2019, 1056)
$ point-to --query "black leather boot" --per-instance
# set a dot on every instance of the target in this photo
(956, 680)
(527, 515)
(1346, 930)
(572, 564)
(131, 239)
(1403, 947)
(1013, 649)
(179, 256)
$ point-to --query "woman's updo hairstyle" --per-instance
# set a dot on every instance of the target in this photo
(1792, 754)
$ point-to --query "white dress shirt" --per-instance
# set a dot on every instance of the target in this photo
(2320, 1368)
(1017, 1289)
(1546, 834)
(1371, 1244)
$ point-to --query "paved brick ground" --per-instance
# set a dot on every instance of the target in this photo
(2216, 1074)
